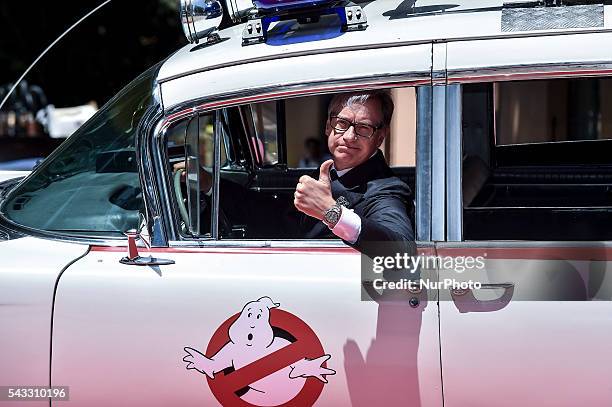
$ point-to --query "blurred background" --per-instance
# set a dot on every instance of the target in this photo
(80, 73)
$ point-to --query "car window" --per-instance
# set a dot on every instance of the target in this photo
(549, 111)
(262, 145)
(535, 161)
(257, 202)
(190, 147)
(90, 184)
(265, 132)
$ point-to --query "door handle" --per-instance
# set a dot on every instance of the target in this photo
(465, 300)
(145, 261)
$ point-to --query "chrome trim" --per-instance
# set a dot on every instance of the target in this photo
(192, 180)
(495, 91)
(438, 63)
(438, 216)
(272, 244)
(200, 19)
(454, 206)
(216, 243)
(235, 12)
(158, 148)
(329, 243)
(250, 130)
(529, 72)
(423, 164)
(260, 243)
(269, 93)
(146, 171)
(218, 134)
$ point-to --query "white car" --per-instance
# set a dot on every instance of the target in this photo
(503, 131)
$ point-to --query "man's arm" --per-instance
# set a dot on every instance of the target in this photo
(386, 219)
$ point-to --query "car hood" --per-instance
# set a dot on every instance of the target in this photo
(11, 175)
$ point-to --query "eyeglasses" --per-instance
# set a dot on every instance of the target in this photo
(361, 129)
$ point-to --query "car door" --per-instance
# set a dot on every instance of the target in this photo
(125, 334)
(537, 331)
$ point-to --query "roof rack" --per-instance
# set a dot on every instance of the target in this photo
(552, 15)
(549, 3)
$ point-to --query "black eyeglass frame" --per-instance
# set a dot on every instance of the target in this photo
(355, 124)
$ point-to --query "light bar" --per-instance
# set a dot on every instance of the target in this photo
(351, 15)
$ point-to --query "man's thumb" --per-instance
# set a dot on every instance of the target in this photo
(324, 171)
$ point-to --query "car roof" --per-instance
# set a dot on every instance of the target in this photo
(390, 23)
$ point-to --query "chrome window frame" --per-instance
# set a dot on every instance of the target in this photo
(423, 164)
(454, 156)
(201, 106)
(438, 148)
(491, 74)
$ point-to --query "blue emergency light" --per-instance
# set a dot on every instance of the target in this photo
(352, 17)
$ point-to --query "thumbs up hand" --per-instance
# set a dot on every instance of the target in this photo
(313, 197)
(324, 173)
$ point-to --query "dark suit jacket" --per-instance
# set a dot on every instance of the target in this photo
(381, 200)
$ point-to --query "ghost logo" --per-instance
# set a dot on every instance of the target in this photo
(263, 356)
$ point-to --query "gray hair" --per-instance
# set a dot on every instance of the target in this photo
(342, 100)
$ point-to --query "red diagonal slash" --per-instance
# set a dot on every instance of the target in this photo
(261, 368)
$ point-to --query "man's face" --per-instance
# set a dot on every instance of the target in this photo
(347, 150)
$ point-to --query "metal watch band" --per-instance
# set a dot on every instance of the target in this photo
(332, 215)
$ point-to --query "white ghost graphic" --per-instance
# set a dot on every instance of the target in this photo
(251, 338)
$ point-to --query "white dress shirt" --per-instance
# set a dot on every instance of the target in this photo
(348, 226)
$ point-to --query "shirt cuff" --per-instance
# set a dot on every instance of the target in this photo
(349, 226)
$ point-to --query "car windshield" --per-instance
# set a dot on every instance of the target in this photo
(90, 184)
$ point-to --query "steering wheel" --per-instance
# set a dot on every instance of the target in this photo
(224, 224)
(179, 197)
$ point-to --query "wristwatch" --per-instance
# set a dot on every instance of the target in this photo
(332, 215)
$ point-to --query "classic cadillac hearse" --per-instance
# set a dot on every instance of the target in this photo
(502, 129)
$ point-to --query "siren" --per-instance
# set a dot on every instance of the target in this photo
(201, 20)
